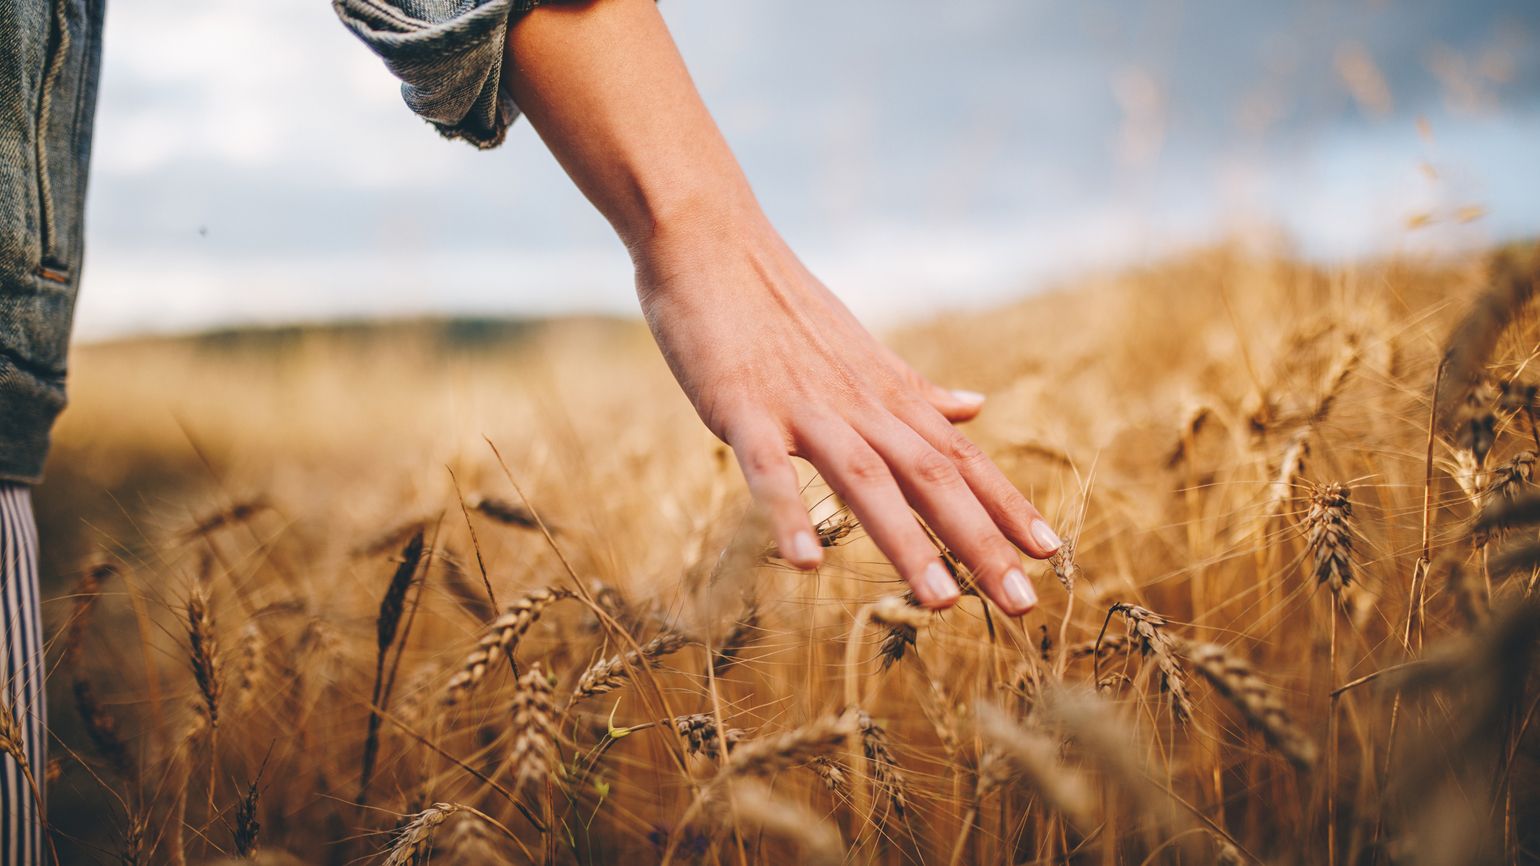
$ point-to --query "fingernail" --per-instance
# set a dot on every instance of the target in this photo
(1043, 535)
(805, 549)
(1018, 591)
(938, 588)
(972, 398)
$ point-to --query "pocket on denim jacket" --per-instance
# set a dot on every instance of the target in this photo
(65, 106)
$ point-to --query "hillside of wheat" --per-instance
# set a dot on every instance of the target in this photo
(483, 593)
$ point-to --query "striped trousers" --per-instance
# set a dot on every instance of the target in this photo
(21, 681)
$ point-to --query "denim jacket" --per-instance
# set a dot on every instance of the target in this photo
(49, 56)
(447, 53)
(449, 57)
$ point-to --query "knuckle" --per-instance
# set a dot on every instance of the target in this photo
(992, 553)
(761, 459)
(1009, 508)
(866, 467)
(933, 468)
(964, 451)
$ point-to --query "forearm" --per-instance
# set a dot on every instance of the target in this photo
(607, 91)
(771, 360)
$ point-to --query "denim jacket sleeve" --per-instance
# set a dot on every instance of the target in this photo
(449, 57)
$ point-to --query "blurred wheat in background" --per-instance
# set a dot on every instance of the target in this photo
(484, 593)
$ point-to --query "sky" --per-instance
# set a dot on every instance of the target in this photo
(255, 164)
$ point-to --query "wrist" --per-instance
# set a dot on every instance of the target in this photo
(711, 252)
(682, 217)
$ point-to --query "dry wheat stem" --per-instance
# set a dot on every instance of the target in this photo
(1036, 757)
(534, 726)
(662, 708)
(1064, 567)
(743, 632)
(767, 755)
(1329, 538)
(1233, 677)
(203, 655)
(884, 767)
(1148, 630)
(611, 673)
(895, 612)
(752, 803)
(387, 622)
(13, 743)
(501, 637)
(1471, 343)
(701, 732)
(414, 842)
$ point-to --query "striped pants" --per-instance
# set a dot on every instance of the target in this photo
(21, 680)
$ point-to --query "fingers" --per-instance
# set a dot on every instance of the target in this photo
(1016, 517)
(861, 478)
(762, 455)
(938, 491)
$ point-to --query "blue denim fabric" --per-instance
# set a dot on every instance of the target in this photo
(447, 53)
(50, 54)
(449, 57)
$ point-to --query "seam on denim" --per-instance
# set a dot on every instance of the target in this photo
(384, 12)
(427, 41)
(70, 258)
(59, 44)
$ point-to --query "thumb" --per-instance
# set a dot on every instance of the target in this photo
(958, 405)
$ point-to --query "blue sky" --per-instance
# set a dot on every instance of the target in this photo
(254, 163)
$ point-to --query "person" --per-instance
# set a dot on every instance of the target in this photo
(772, 361)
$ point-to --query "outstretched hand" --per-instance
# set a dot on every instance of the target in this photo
(777, 367)
(773, 362)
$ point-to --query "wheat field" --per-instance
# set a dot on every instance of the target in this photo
(485, 593)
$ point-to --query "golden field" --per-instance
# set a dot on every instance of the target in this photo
(504, 567)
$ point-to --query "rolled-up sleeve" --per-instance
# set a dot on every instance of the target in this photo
(449, 57)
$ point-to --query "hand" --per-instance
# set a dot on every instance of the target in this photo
(773, 362)
(777, 366)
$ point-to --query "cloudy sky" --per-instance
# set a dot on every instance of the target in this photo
(254, 162)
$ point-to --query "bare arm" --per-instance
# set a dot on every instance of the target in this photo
(772, 361)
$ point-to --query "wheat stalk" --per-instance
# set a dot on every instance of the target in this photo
(1290, 469)
(611, 673)
(414, 842)
(250, 665)
(743, 632)
(1149, 631)
(501, 637)
(1233, 677)
(503, 511)
(102, 729)
(753, 805)
(247, 826)
(1063, 564)
(1107, 647)
(1329, 538)
(534, 726)
(884, 767)
(1036, 756)
(1471, 343)
(789, 748)
(13, 743)
(901, 635)
(386, 623)
(237, 513)
(203, 655)
(704, 736)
